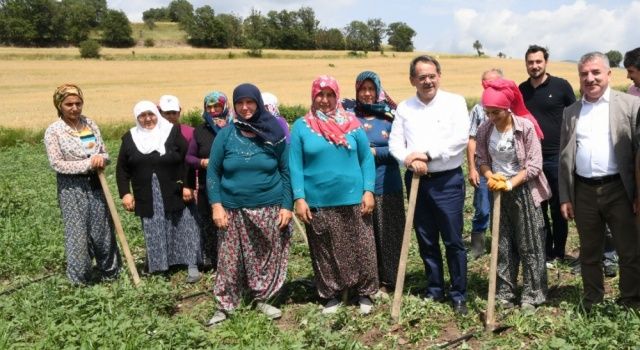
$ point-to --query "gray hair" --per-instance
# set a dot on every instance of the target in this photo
(590, 56)
(493, 70)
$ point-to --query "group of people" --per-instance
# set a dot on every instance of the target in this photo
(222, 196)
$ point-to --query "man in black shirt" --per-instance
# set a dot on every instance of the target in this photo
(546, 97)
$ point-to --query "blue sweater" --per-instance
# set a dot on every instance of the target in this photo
(388, 178)
(244, 172)
(326, 175)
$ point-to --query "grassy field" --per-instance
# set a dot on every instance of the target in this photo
(112, 87)
(167, 314)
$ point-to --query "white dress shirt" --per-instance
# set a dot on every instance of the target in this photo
(594, 153)
(440, 128)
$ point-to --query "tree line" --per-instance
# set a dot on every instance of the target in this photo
(43, 23)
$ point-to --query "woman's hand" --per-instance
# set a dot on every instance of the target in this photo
(187, 194)
(367, 203)
(97, 162)
(474, 178)
(128, 202)
(302, 210)
(219, 215)
(285, 218)
(204, 162)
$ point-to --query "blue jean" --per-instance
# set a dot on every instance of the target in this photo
(481, 206)
(556, 228)
(438, 213)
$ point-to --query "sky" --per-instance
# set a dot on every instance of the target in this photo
(567, 28)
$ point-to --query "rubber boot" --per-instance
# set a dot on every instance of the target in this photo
(477, 245)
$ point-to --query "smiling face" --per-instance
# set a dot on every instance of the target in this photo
(536, 65)
(367, 92)
(147, 120)
(245, 107)
(325, 101)
(426, 81)
(498, 116)
(594, 78)
(71, 108)
(633, 74)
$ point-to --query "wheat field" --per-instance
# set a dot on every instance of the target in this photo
(112, 87)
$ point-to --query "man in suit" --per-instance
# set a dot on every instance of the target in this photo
(597, 183)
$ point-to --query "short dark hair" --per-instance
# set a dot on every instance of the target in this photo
(536, 48)
(632, 58)
(424, 59)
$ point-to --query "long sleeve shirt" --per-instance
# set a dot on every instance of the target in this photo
(326, 175)
(244, 172)
(70, 151)
(528, 152)
(439, 128)
(388, 179)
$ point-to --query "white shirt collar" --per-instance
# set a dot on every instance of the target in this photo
(606, 97)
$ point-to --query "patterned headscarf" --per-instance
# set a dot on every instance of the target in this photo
(262, 122)
(334, 125)
(63, 91)
(146, 140)
(504, 93)
(384, 107)
(211, 99)
(271, 103)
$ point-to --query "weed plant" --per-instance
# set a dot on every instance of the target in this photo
(52, 314)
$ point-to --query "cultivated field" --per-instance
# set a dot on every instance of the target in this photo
(113, 86)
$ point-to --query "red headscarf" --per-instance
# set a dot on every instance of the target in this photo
(504, 93)
(333, 126)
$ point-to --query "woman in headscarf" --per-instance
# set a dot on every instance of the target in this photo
(510, 157)
(76, 153)
(375, 110)
(271, 104)
(151, 164)
(250, 195)
(333, 181)
(215, 114)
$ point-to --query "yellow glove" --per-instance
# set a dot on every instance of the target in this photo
(499, 177)
(497, 185)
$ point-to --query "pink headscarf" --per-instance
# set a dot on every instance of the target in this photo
(504, 93)
(333, 126)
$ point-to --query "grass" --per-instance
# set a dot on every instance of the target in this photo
(164, 314)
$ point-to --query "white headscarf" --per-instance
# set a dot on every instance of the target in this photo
(271, 103)
(149, 140)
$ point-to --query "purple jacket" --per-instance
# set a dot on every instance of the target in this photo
(528, 151)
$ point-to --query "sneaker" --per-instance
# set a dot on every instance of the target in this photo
(527, 307)
(610, 270)
(506, 304)
(272, 312)
(332, 306)
(194, 278)
(365, 305)
(217, 318)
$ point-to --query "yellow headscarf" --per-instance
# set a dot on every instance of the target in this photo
(62, 92)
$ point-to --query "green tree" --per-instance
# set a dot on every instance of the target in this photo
(478, 47)
(205, 30)
(377, 31)
(358, 36)
(615, 57)
(330, 39)
(233, 34)
(180, 11)
(89, 49)
(401, 36)
(156, 14)
(79, 18)
(116, 30)
(255, 28)
(31, 23)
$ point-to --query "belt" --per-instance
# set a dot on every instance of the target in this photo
(441, 173)
(596, 181)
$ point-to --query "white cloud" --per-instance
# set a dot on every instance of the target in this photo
(568, 31)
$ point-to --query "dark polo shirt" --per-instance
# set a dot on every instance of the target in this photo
(546, 103)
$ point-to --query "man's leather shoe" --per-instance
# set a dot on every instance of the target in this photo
(459, 307)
